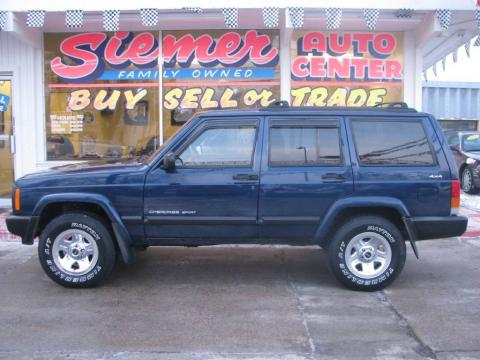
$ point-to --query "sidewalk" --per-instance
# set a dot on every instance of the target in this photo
(4, 234)
(469, 204)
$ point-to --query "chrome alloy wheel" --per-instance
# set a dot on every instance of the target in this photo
(368, 255)
(467, 180)
(75, 252)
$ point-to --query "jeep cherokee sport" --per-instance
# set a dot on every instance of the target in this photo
(357, 182)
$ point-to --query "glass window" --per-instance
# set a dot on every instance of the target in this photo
(203, 70)
(231, 146)
(453, 139)
(112, 112)
(391, 143)
(304, 146)
(471, 142)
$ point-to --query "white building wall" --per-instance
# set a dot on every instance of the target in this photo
(24, 62)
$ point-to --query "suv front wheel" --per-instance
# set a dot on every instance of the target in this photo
(367, 253)
(76, 250)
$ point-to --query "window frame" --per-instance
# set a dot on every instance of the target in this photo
(208, 124)
(313, 122)
(419, 120)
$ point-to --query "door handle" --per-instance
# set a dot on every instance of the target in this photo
(245, 177)
(334, 177)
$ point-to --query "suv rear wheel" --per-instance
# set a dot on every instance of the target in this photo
(468, 185)
(367, 253)
(76, 250)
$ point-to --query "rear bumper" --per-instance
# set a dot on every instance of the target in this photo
(436, 227)
(23, 226)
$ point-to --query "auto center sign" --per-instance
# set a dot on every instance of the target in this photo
(346, 68)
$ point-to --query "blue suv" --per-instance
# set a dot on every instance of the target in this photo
(357, 182)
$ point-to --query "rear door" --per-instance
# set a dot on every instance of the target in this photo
(401, 158)
(305, 169)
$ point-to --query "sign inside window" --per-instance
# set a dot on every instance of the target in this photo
(346, 69)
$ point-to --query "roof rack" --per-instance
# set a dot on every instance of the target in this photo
(392, 106)
(279, 104)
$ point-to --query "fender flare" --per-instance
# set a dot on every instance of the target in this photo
(362, 201)
(122, 236)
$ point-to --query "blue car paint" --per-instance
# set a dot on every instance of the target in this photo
(284, 205)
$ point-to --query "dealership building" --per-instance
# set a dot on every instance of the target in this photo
(115, 79)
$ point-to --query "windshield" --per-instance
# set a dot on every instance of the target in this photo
(471, 142)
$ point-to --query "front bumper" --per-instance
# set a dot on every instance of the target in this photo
(438, 227)
(23, 226)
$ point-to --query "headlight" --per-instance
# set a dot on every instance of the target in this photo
(471, 161)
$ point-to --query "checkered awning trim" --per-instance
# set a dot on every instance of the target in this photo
(477, 41)
(444, 17)
(297, 15)
(74, 18)
(35, 18)
(149, 17)
(334, 18)
(230, 16)
(111, 20)
(404, 13)
(193, 9)
(3, 20)
(371, 17)
(271, 16)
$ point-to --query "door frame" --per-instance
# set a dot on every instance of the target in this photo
(9, 75)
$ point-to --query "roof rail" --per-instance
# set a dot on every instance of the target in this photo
(393, 105)
(279, 104)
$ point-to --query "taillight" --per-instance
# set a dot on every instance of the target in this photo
(455, 203)
(16, 200)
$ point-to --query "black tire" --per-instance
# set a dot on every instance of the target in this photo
(97, 240)
(468, 185)
(387, 235)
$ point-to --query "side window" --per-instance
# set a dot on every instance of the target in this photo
(304, 146)
(220, 146)
(453, 140)
(391, 143)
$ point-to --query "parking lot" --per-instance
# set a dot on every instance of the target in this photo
(238, 302)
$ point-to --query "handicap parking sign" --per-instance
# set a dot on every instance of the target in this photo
(4, 100)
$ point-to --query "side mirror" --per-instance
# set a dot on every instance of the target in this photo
(454, 147)
(169, 161)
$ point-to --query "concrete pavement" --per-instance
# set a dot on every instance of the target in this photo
(243, 303)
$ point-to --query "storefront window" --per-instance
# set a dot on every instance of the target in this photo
(217, 69)
(102, 95)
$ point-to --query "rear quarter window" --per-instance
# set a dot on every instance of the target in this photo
(391, 143)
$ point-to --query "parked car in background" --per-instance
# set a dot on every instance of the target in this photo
(357, 182)
(465, 146)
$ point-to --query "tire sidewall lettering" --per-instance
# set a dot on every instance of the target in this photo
(341, 256)
(50, 264)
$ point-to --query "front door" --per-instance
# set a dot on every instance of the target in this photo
(212, 194)
(305, 169)
(6, 138)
